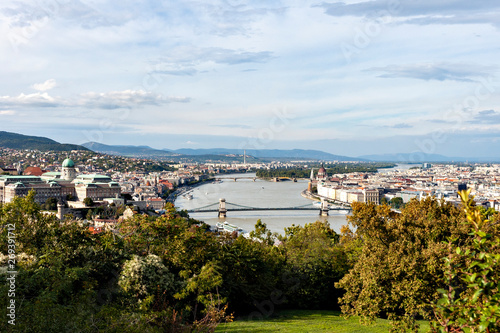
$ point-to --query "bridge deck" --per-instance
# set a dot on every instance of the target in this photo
(261, 209)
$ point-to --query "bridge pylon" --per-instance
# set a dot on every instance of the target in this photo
(222, 208)
(323, 211)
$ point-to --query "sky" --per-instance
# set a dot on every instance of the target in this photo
(346, 77)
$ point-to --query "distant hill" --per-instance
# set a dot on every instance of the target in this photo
(271, 153)
(130, 151)
(19, 141)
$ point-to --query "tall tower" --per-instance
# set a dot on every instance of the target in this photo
(68, 170)
(312, 174)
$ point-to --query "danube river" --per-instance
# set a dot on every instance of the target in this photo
(262, 194)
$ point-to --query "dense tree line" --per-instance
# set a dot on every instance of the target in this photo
(159, 273)
(432, 261)
(170, 273)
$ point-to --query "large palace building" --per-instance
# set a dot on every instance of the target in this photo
(60, 185)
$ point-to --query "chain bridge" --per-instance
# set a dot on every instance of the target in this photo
(222, 207)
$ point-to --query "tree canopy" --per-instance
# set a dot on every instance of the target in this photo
(433, 261)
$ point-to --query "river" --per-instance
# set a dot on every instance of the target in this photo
(265, 194)
(262, 194)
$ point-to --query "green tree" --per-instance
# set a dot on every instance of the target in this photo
(145, 278)
(399, 267)
(88, 202)
(471, 299)
(396, 202)
(50, 204)
(250, 271)
(62, 268)
(314, 261)
(261, 233)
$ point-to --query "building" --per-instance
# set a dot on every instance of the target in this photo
(68, 170)
(155, 203)
(33, 171)
(372, 195)
(322, 175)
(9, 171)
(60, 185)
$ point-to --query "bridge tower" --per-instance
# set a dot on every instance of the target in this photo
(323, 211)
(222, 208)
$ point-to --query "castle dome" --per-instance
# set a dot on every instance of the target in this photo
(68, 163)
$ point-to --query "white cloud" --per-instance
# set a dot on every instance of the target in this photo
(431, 71)
(7, 113)
(33, 100)
(188, 60)
(47, 85)
(107, 100)
(126, 99)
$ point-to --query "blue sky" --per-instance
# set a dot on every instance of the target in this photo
(350, 78)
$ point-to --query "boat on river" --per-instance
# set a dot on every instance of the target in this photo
(227, 227)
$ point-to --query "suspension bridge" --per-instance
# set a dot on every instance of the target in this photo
(273, 179)
(222, 207)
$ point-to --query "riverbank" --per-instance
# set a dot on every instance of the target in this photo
(186, 188)
(316, 197)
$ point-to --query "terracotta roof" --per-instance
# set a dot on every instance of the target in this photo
(33, 171)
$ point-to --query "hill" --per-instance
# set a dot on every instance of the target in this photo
(19, 141)
(271, 153)
(135, 151)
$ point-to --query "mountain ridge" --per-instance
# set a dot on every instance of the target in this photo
(20, 141)
(271, 153)
(127, 150)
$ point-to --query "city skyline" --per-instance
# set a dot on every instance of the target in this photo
(349, 78)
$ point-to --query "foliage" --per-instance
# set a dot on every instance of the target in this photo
(50, 204)
(19, 141)
(250, 271)
(88, 202)
(263, 234)
(314, 261)
(399, 267)
(338, 168)
(471, 298)
(396, 202)
(142, 277)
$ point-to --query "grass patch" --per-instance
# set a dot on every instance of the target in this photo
(309, 321)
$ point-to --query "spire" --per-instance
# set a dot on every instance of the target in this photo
(312, 174)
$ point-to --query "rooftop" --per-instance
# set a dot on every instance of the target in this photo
(68, 163)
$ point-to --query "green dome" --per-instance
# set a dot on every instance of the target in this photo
(68, 163)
